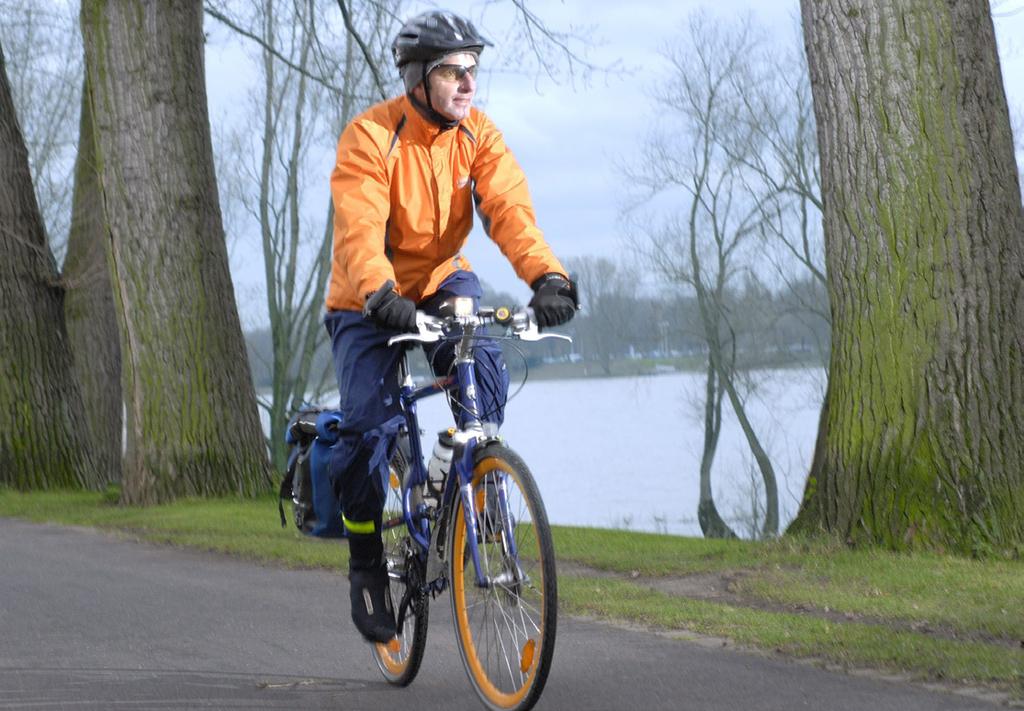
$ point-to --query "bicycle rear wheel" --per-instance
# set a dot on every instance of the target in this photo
(506, 629)
(399, 660)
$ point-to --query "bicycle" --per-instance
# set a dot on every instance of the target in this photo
(482, 531)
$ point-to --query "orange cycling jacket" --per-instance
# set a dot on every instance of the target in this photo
(403, 191)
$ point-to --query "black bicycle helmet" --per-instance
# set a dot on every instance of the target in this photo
(434, 34)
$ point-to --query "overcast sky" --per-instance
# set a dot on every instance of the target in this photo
(568, 138)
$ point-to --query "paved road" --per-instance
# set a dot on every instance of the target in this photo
(90, 621)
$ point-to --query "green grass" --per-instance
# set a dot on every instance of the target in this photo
(851, 644)
(651, 553)
(933, 617)
(967, 596)
(246, 528)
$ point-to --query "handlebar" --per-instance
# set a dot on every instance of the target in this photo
(519, 323)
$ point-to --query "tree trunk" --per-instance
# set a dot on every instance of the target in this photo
(923, 429)
(192, 424)
(711, 304)
(41, 443)
(770, 528)
(89, 310)
(711, 523)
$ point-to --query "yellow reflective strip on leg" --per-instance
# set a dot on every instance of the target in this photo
(358, 526)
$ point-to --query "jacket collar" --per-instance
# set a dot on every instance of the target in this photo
(420, 121)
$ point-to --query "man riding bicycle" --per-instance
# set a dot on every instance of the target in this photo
(408, 173)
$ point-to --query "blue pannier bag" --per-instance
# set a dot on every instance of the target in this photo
(316, 509)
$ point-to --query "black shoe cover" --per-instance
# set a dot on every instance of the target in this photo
(372, 611)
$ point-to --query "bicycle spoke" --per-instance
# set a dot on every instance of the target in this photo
(504, 652)
(523, 603)
(520, 629)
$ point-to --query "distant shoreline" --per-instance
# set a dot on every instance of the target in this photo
(647, 367)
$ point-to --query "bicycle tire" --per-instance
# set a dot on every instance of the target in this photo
(505, 631)
(399, 660)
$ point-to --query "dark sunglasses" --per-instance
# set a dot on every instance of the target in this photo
(454, 72)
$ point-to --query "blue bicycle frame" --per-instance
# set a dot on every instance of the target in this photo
(467, 439)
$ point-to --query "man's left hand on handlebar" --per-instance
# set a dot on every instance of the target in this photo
(387, 309)
(554, 300)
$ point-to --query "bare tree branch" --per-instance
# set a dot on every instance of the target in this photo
(532, 23)
(44, 65)
(370, 62)
(235, 27)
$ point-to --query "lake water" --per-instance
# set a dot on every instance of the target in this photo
(625, 452)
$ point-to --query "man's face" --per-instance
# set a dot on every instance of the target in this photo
(452, 85)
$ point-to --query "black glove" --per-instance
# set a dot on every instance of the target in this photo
(389, 310)
(554, 300)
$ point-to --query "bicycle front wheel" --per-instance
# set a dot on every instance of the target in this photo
(505, 627)
(399, 660)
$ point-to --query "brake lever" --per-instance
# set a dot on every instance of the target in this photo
(533, 334)
(530, 331)
(428, 331)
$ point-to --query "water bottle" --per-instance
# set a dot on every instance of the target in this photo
(439, 464)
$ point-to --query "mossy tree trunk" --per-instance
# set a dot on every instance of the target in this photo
(89, 310)
(41, 442)
(922, 438)
(191, 420)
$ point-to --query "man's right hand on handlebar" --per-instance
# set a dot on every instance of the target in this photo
(387, 309)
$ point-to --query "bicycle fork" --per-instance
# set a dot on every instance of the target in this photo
(460, 483)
